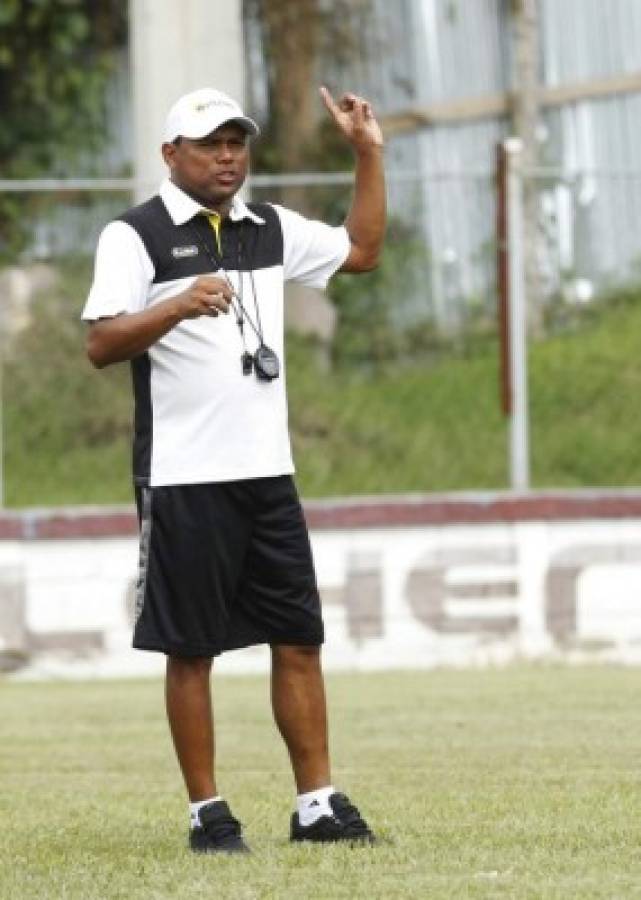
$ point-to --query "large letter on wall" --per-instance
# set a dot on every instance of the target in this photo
(429, 593)
(562, 581)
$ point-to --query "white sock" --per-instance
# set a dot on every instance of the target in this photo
(194, 810)
(314, 804)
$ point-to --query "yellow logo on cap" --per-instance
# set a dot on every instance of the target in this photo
(201, 107)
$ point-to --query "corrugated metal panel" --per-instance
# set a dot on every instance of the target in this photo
(584, 39)
(599, 206)
(461, 50)
(590, 222)
(595, 216)
(465, 49)
(117, 149)
(459, 216)
(384, 64)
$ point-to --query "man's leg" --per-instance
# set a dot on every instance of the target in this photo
(188, 701)
(188, 698)
(298, 701)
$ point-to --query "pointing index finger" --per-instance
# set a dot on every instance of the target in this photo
(328, 100)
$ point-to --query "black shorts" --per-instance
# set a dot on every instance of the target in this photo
(224, 566)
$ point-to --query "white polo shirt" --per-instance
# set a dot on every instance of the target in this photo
(198, 418)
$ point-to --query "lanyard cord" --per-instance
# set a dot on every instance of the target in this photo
(239, 309)
(255, 299)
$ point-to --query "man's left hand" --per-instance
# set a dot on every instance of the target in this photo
(354, 117)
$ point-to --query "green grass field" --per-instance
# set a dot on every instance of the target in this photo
(521, 783)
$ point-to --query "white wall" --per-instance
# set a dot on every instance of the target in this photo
(392, 597)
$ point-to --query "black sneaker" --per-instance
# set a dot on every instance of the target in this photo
(218, 832)
(346, 824)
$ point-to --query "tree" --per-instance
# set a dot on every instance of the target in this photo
(302, 44)
(55, 60)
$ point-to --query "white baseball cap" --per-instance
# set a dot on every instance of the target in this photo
(197, 114)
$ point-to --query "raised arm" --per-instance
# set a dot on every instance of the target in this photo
(365, 222)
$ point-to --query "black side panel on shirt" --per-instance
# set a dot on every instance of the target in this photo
(143, 423)
(182, 251)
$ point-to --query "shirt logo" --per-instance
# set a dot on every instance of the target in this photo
(183, 252)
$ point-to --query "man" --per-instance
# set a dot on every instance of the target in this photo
(189, 287)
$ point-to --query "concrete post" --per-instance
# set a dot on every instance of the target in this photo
(176, 48)
(517, 321)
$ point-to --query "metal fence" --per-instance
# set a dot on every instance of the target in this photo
(394, 378)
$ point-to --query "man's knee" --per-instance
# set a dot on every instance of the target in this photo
(296, 657)
(188, 667)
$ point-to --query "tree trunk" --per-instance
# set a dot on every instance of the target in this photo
(292, 32)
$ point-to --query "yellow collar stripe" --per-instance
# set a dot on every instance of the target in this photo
(214, 220)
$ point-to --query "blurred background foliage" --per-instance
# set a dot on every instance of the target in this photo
(56, 57)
